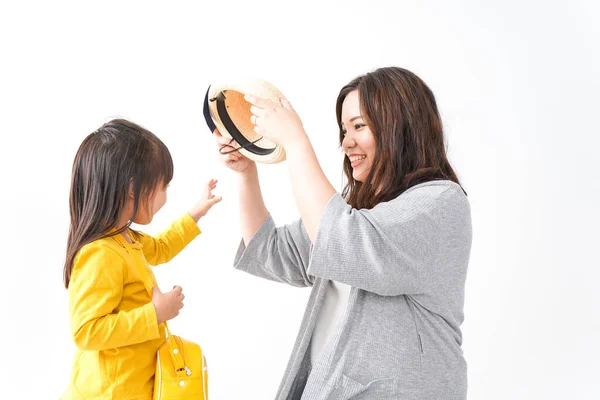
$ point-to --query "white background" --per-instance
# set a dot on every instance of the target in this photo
(517, 85)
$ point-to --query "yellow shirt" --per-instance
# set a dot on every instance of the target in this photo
(113, 320)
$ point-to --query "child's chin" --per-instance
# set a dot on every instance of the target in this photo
(142, 221)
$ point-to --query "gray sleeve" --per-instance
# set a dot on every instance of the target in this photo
(388, 250)
(280, 254)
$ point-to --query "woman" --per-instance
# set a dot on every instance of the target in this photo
(387, 259)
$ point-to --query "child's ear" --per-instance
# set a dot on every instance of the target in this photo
(130, 189)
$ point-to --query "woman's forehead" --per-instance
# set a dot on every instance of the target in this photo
(351, 106)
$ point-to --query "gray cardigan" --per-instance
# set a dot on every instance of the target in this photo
(406, 261)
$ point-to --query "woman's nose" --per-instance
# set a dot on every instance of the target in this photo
(348, 143)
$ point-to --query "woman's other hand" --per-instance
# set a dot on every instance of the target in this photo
(277, 122)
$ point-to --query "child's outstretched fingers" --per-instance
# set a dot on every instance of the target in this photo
(211, 198)
(209, 187)
(206, 202)
(212, 184)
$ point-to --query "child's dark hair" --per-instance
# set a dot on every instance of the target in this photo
(115, 156)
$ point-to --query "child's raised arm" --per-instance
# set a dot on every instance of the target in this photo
(167, 244)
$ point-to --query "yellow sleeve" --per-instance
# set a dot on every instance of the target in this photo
(170, 242)
(95, 291)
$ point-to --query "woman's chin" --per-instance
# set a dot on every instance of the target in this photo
(358, 174)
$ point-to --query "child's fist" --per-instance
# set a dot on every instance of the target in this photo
(206, 202)
(167, 305)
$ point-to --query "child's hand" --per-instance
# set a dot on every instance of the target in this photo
(206, 202)
(167, 305)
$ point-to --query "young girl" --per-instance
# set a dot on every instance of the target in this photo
(120, 175)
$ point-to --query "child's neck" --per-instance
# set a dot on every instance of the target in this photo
(125, 233)
(126, 236)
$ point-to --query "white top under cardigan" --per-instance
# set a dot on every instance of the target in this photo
(334, 306)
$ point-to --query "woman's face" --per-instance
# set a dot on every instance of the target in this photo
(358, 143)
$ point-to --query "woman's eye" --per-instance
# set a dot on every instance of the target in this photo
(344, 131)
(358, 126)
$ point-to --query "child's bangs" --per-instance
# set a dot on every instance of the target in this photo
(161, 167)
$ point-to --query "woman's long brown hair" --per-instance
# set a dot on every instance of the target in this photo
(402, 113)
(117, 156)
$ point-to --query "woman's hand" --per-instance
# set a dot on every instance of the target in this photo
(277, 122)
(281, 124)
(235, 161)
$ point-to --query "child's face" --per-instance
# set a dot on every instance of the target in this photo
(148, 209)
